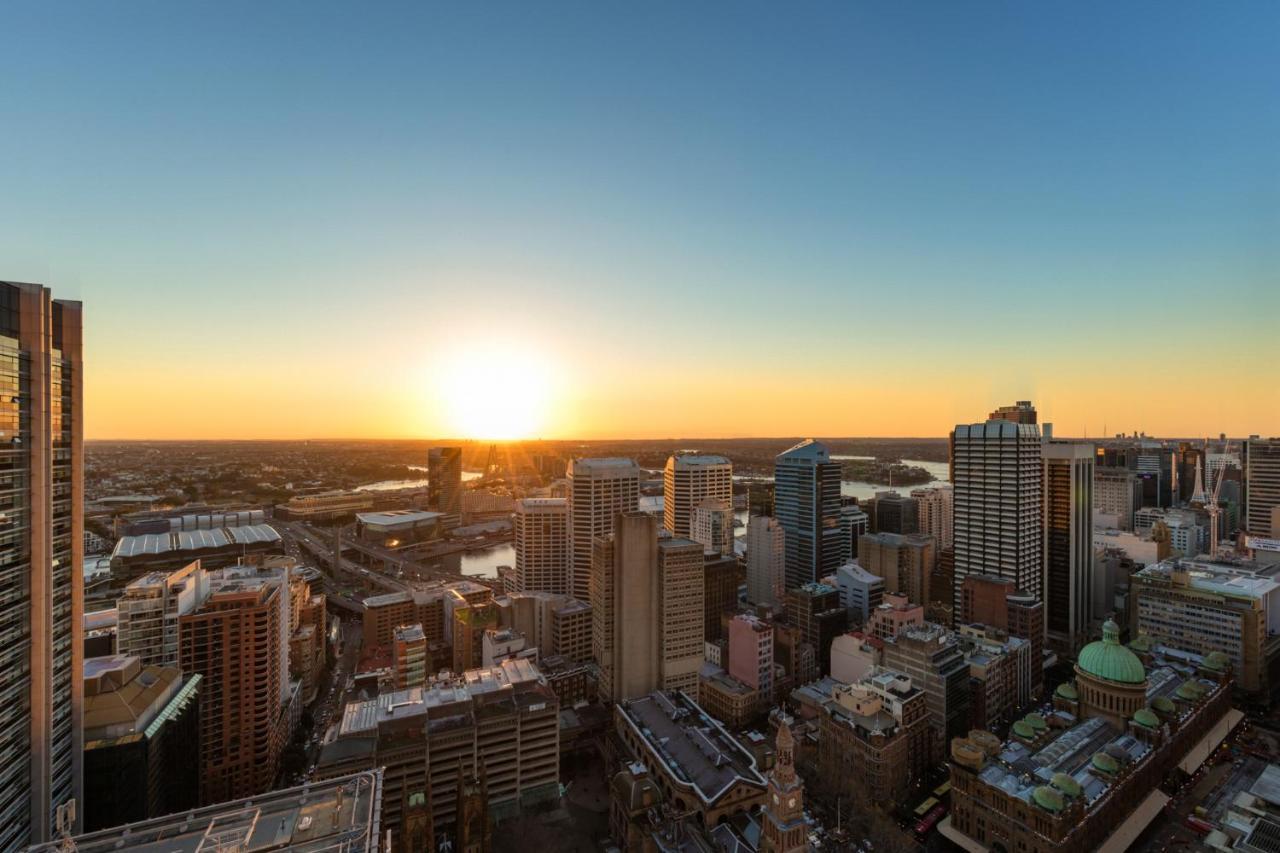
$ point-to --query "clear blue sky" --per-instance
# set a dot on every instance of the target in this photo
(924, 208)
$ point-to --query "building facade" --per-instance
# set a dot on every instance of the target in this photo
(541, 538)
(1262, 486)
(444, 483)
(42, 589)
(599, 489)
(1068, 543)
(687, 481)
(807, 505)
(998, 504)
(766, 561)
(936, 505)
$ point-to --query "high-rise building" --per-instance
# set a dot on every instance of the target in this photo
(905, 563)
(766, 561)
(936, 664)
(541, 528)
(149, 611)
(42, 590)
(896, 513)
(409, 660)
(1262, 485)
(853, 523)
(719, 593)
(860, 591)
(232, 641)
(815, 609)
(599, 489)
(444, 483)
(807, 501)
(1117, 495)
(935, 505)
(687, 481)
(712, 526)
(1068, 543)
(998, 509)
(647, 610)
(997, 603)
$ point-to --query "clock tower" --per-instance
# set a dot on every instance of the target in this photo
(783, 829)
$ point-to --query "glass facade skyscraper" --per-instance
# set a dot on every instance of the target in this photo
(807, 505)
(41, 558)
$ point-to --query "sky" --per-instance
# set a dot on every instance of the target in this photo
(292, 220)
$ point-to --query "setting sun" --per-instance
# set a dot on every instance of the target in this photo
(495, 392)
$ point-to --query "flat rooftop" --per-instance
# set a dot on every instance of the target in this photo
(338, 814)
(398, 517)
(694, 747)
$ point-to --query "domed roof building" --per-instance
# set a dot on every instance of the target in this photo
(1110, 679)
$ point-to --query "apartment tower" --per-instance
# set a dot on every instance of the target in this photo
(41, 589)
(807, 504)
(599, 489)
(1262, 486)
(689, 480)
(766, 561)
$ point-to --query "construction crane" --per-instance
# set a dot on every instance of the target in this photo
(1212, 505)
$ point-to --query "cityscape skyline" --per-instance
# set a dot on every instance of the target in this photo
(507, 205)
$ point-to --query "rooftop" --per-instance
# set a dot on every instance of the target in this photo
(398, 517)
(194, 540)
(694, 747)
(808, 450)
(1242, 580)
(338, 814)
(691, 460)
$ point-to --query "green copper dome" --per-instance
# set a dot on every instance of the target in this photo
(1217, 661)
(1146, 718)
(1163, 705)
(1048, 799)
(1141, 643)
(1036, 722)
(1105, 763)
(1109, 660)
(1066, 784)
(1024, 731)
(1067, 690)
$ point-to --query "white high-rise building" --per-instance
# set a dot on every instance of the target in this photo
(599, 489)
(149, 613)
(766, 561)
(689, 480)
(541, 533)
(998, 511)
(860, 592)
(1068, 543)
(936, 506)
(713, 525)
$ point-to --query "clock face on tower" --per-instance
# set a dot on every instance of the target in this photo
(775, 799)
(791, 803)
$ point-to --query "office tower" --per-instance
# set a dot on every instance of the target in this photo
(998, 510)
(444, 483)
(149, 611)
(719, 593)
(895, 513)
(860, 591)
(1068, 543)
(647, 610)
(469, 624)
(1021, 412)
(807, 500)
(689, 480)
(751, 655)
(936, 664)
(42, 592)
(1262, 485)
(599, 489)
(140, 725)
(712, 526)
(541, 534)
(681, 612)
(815, 610)
(875, 738)
(905, 563)
(853, 523)
(232, 641)
(766, 561)
(1117, 495)
(935, 510)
